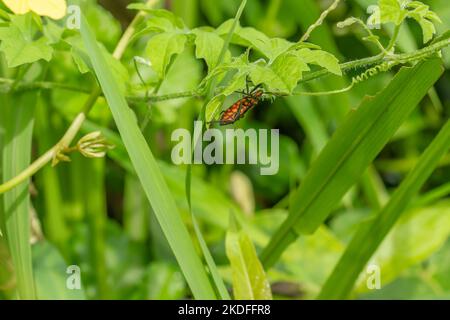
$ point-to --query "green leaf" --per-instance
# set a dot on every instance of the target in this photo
(289, 67)
(239, 63)
(352, 148)
(208, 46)
(428, 29)
(425, 17)
(283, 73)
(309, 260)
(249, 279)
(162, 47)
(50, 270)
(399, 250)
(213, 106)
(18, 121)
(371, 233)
(139, 6)
(391, 11)
(250, 37)
(321, 58)
(4, 15)
(282, 76)
(238, 82)
(397, 11)
(149, 174)
(19, 44)
(272, 80)
(163, 282)
(82, 61)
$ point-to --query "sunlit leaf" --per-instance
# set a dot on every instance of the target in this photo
(161, 48)
(19, 45)
(249, 278)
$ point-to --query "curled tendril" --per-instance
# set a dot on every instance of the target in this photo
(384, 67)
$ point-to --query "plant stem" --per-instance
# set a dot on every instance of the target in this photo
(164, 97)
(46, 157)
(372, 37)
(47, 85)
(319, 21)
(398, 58)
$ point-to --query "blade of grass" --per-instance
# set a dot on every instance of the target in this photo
(18, 120)
(214, 212)
(308, 13)
(210, 93)
(433, 195)
(249, 279)
(220, 287)
(149, 174)
(2, 146)
(370, 234)
(350, 151)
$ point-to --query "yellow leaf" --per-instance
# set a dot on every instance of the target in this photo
(55, 9)
(18, 6)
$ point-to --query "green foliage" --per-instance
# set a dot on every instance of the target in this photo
(50, 281)
(249, 279)
(399, 250)
(356, 109)
(208, 46)
(351, 149)
(21, 42)
(282, 71)
(373, 231)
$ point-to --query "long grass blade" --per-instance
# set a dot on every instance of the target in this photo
(149, 174)
(18, 113)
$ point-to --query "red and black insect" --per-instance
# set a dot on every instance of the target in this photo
(240, 107)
